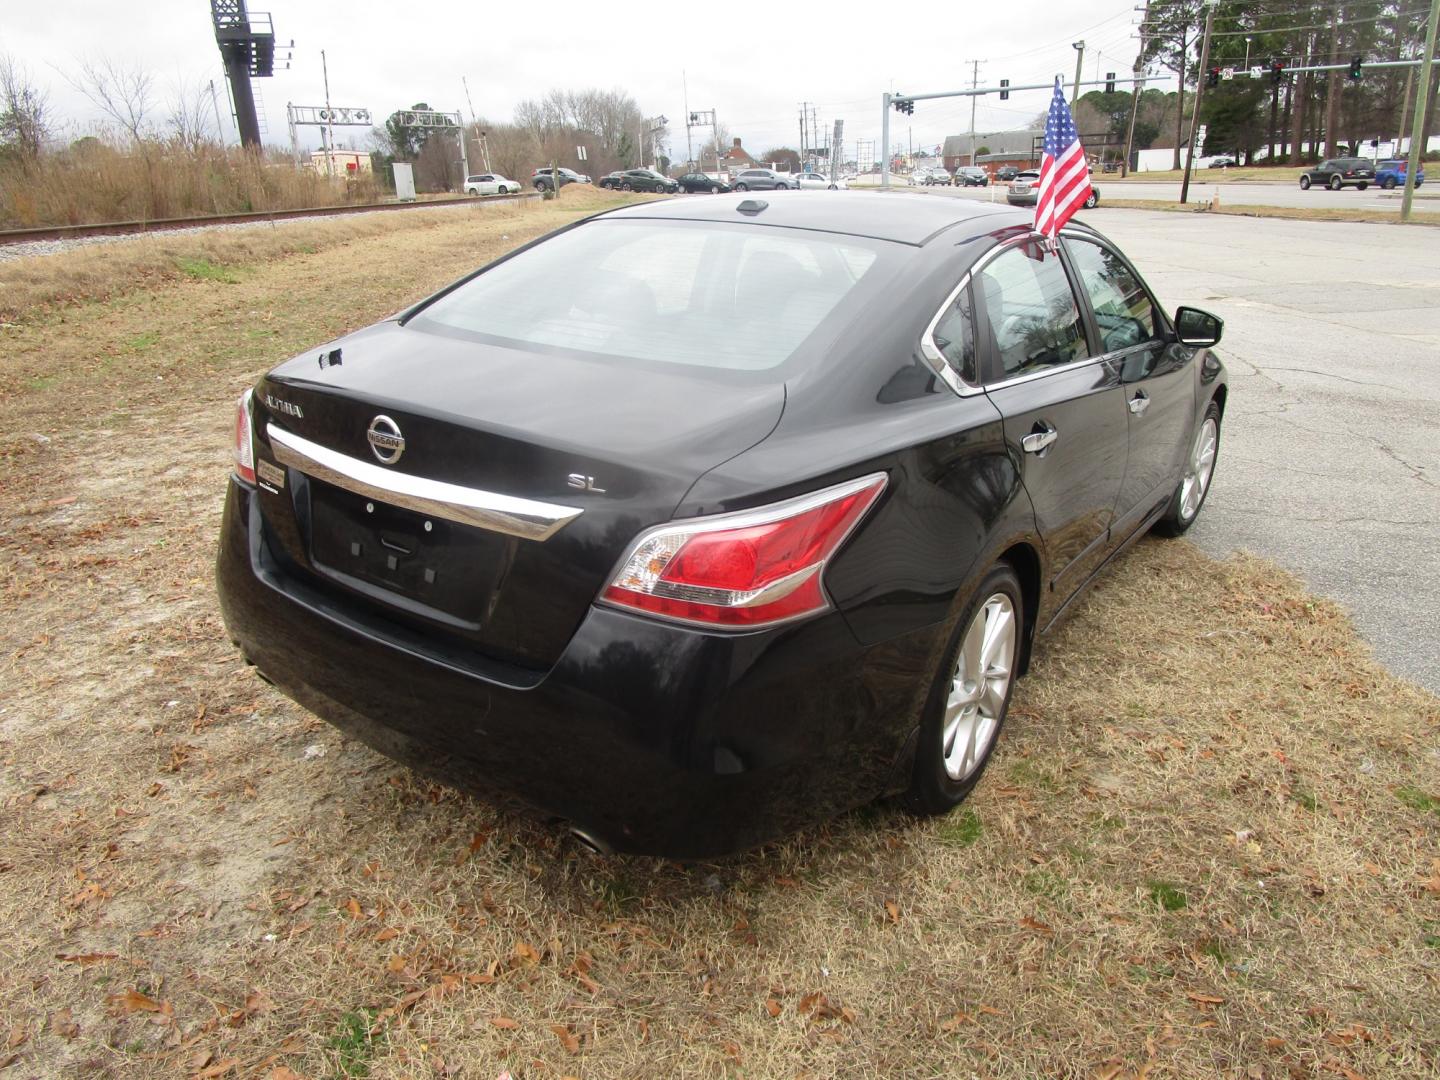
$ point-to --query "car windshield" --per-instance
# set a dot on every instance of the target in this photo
(710, 295)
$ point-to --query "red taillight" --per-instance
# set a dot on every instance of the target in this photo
(244, 446)
(745, 570)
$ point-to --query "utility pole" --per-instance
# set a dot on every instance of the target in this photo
(1422, 93)
(689, 148)
(1200, 97)
(885, 142)
(329, 130)
(802, 131)
(1135, 88)
(220, 127)
(974, 84)
(1079, 47)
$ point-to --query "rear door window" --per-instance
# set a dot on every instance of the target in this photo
(1032, 313)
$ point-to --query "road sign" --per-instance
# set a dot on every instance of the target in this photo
(1227, 73)
(581, 154)
(1257, 72)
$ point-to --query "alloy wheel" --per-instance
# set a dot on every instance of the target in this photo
(979, 687)
(1198, 469)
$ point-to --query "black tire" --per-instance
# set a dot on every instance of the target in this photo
(1176, 523)
(1092, 199)
(1304, 183)
(1336, 183)
(932, 791)
(1362, 187)
(741, 187)
(627, 186)
(1388, 183)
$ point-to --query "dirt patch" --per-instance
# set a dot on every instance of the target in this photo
(1209, 843)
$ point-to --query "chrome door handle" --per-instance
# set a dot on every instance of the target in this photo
(1037, 442)
(1140, 402)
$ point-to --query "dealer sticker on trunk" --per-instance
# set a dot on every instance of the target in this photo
(271, 475)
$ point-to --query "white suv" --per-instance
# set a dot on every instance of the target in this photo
(490, 184)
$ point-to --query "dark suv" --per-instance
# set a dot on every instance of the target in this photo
(647, 180)
(763, 180)
(692, 182)
(543, 181)
(1336, 173)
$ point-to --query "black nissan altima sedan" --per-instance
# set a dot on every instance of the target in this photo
(756, 521)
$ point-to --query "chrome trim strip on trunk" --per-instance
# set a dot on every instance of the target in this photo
(525, 518)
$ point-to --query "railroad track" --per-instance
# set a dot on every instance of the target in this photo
(124, 228)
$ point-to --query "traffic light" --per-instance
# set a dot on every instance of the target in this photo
(1355, 62)
(1212, 78)
(1109, 82)
(904, 105)
(1004, 90)
(1277, 71)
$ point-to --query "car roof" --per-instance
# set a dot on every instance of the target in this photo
(899, 216)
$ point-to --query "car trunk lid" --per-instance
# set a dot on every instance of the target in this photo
(569, 456)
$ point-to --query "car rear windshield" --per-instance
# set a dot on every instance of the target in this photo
(735, 297)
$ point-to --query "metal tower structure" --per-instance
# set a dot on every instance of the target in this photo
(247, 46)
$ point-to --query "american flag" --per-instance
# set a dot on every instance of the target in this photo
(1064, 174)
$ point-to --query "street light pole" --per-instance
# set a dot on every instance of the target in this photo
(1079, 47)
(1422, 95)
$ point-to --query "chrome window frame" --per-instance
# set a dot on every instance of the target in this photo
(949, 375)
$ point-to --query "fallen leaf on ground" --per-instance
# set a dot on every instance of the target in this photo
(86, 959)
(1036, 925)
(132, 1001)
(893, 910)
(18, 1034)
(504, 1023)
(1205, 999)
(220, 1068)
(61, 1024)
(568, 1038)
(772, 1007)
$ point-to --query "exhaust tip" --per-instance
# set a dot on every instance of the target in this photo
(590, 842)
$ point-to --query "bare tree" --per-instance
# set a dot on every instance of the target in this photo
(124, 93)
(190, 114)
(24, 110)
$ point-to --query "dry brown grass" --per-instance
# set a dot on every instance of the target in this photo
(94, 181)
(31, 286)
(185, 885)
(1293, 213)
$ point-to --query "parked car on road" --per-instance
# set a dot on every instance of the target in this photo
(819, 181)
(612, 180)
(647, 180)
(971, 176)
(758, 518)
(763, 180)
(692, 182)
(1391, 174)
(1336, 173)
(543, 181)
(1024, 190)
(934, 177)
(1006, 172)
(490, 184)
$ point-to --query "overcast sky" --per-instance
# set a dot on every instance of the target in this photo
(751, 62)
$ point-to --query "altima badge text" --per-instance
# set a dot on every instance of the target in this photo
(385, 440)
(277, 405)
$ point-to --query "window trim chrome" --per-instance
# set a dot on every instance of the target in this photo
(951, 377)
(527, 519)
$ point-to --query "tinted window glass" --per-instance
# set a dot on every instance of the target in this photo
(955, 337)
(1123, 311)
(1034, 321)
(718, 296)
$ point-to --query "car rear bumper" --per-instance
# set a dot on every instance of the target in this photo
(651, 737)
(1028, 199)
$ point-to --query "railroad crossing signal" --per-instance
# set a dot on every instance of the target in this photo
(1109, 82)
(1277, 71)
(1004, 89)
(1212, 78)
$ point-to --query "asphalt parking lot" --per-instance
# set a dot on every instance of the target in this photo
(1328, 460)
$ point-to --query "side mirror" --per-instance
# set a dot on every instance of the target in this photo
(1198, 329)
